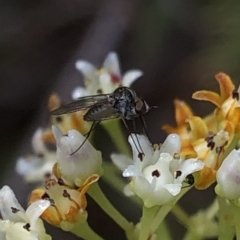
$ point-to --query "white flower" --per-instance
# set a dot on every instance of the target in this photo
(79, 166)
(36, 167)
(19, 224)
(104, 80)
(159, 177)
(228, 177)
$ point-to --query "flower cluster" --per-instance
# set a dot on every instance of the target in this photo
(196, 153)
(159, 177)
(16, 223)
(209, 138)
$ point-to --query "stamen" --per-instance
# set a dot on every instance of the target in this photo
(156, 173)
(211, 145)
(67, 195)
(27, 227)
(141, 156)
(115, 78)
(176, 156)
(62, 183)
(156, 146)
(235, 95)
(50, 182)
(14, 210)
(219, 149)
(177, 174)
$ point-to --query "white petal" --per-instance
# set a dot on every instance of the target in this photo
(171, 145)
(141, 187)
(106, 83)
(25, 165)
(127, 191)
(79, 92)
(111, 63)
(120, 160)
(228, 177)
(7, 201)
(87, 69)
(189, 166)
(2, 234)
(145, 146)
(131, 171)
(83, 163)
(173, 189)
(35, 210)
(37, 142)
(57, 133)
(130, 77)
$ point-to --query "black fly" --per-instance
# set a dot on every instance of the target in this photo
(123, 103)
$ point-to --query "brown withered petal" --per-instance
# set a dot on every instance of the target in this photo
(226, 85)
(206, 179)
(198, 127)
(54, 102)
(187, 149)
(208, 96)
(182, 112)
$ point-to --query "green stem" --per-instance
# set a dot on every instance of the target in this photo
(114, 129)
(236, 213)
(191, 236)
(181, 215)
(147, 217)
(84, 231)
(96, 193)
(163, 232)
(226, 229)
(164, 210)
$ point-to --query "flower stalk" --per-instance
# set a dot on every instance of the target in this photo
(148, 215)
(226, 230)
(236, 213)
(98, 196)
(84, 231)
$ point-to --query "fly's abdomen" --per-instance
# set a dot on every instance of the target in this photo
(100, 113)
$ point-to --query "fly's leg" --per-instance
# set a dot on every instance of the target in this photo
(144, 125)
(138, 145)
(94, 124)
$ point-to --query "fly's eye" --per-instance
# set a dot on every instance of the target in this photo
(141, 107)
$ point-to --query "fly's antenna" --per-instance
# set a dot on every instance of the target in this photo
(94, 124)
(138, 145)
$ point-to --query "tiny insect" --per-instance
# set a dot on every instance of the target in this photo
(123, 103)
(189, 180)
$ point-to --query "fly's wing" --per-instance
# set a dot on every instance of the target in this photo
(81, 103)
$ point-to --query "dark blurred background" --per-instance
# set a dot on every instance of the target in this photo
(180, 46)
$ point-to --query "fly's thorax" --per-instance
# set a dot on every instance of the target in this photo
(124, 93)
(125, 102)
